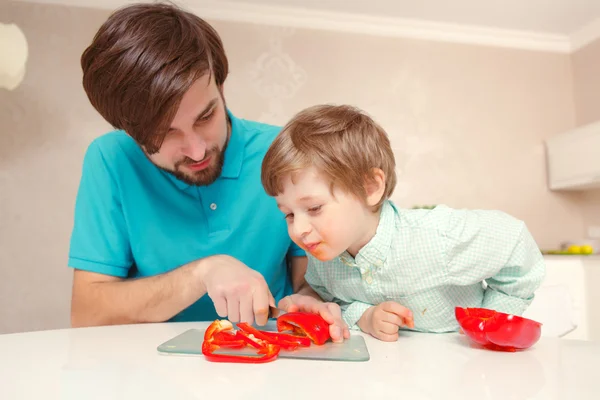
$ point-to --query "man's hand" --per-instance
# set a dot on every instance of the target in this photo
(330, 312)
(383, 320)
(238, 292)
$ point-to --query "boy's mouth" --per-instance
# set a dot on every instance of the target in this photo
(312, 246)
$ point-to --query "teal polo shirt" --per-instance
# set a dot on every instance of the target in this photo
(133, 219)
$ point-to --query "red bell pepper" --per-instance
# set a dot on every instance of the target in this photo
(305, 324)
(497, 330)
(250, 340)
(217, 333)
(263, 337)
(302, 341)
(227, 339)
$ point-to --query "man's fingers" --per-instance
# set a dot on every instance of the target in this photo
(220, 306)
(233, 308)
(246, 308)
(261, 304)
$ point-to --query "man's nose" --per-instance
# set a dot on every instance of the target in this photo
(194, 146)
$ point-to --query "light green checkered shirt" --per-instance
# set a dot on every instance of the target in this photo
(431, 261)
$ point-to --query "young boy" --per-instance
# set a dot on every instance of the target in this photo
(332, 171)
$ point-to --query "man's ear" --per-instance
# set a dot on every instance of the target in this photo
(375, 186)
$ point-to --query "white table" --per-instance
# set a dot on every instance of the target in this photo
(121, 362)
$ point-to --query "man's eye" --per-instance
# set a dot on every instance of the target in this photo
(205, 118)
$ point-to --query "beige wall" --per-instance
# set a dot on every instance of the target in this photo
(467, 124)
(586, 63)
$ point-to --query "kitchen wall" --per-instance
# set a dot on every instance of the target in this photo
(586, 82)
(467, 124)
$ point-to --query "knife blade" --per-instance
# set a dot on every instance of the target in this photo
(275, 312)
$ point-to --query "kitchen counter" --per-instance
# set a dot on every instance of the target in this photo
(121, 362)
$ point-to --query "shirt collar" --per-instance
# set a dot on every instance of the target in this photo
(234, 154)
(375, 252)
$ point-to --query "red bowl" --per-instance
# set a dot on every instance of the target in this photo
(497, 330)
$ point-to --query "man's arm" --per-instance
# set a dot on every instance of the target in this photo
(238, 292)
(99, 299)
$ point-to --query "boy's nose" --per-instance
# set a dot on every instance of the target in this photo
(301, 227)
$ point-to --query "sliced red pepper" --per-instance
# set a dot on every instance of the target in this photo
(251, 341)
(497, 330)
(218, 333)
(252, 331)
(261, 336)
(227, 339)
(305, 324)
(267, 353)
(302, 341)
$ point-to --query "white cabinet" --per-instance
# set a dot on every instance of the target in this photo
(573, 159)
(580, 276)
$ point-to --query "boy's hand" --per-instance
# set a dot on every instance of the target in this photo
(383, 320)
(330, 312)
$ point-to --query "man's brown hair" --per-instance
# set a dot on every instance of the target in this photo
(341, 142)
(141, 62)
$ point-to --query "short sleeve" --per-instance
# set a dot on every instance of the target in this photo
(99, 239)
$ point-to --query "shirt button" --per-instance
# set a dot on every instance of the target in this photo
(213, 206)
(369, 279)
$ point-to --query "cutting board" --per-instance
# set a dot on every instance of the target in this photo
(353, 349)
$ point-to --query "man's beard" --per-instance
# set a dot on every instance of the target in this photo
(207, 175)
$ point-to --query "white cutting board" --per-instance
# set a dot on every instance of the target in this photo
(353, 349)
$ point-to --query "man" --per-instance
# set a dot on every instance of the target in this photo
(171, 220)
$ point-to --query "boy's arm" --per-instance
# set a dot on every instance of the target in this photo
(496, 248)
(351, 312)
(312, 296)
(511, 289)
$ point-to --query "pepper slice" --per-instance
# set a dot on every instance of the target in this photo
(302, 341)
(226, 339)
(262, 336)
(217, 333)
(496, 330)
(305, 324)
(267, 354)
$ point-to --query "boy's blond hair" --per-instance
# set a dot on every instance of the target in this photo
(341, 142)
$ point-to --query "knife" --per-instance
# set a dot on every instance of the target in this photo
(275, 312)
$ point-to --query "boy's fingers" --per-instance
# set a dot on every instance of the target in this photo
(399, 310)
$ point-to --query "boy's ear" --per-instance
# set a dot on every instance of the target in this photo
(375, 186)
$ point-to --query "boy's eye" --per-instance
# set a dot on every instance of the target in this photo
(315, 209)
(289, 216)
